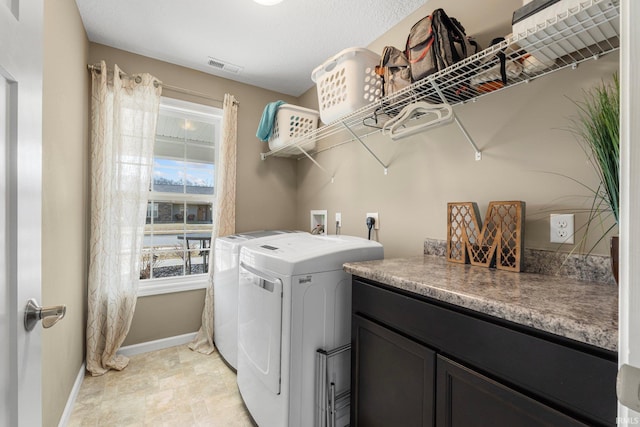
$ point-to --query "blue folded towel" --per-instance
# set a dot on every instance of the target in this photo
(266, 122)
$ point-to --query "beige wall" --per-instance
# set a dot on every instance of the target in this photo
(162, 316)
(266, 195)
(65, 202)
(521, 132)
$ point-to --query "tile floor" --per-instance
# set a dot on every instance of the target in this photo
(169, 387)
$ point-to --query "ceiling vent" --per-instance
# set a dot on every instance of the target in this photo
(224, 66)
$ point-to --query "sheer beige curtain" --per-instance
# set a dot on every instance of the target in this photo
(124, 110)
(224, 220)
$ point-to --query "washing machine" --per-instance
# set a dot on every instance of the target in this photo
(294, 298)
(225, 288)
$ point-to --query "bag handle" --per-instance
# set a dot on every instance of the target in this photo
(454, 26)
(503, 60)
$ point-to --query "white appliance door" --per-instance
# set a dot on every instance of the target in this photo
(260, 325)
(20, 208)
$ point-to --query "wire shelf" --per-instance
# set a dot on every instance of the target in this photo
(586, 31)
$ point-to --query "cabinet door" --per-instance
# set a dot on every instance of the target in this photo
(393, 378)
(466, 398)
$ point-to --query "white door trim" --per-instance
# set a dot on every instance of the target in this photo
(629, 315)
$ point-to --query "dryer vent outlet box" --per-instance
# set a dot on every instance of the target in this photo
(318, 222)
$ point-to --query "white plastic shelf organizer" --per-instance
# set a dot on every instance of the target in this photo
(587, 30)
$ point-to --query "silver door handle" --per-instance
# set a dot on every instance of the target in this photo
(48, 315)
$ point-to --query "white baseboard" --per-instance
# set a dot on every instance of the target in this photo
(160, 344)
(68, 409)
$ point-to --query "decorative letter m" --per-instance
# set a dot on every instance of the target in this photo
(500, 241)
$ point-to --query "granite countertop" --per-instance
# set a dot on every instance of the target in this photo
(582, 311)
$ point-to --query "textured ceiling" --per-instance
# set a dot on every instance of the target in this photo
(276, 46)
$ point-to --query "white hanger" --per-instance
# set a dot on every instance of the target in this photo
(437, 114)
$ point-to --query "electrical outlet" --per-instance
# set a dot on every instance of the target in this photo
(561, 228)
(339, 219)
(374, 216)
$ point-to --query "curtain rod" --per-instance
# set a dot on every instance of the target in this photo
(172, 88)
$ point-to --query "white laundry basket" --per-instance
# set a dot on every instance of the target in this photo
(347, 82)
(293, 122)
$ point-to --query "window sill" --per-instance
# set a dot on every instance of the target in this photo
(172, 285)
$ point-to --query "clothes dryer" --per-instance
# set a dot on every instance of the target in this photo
(225, 288)
(294, 298)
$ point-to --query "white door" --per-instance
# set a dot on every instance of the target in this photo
(20, 208)
(629, 348)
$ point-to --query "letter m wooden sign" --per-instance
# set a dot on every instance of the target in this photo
(498, 244)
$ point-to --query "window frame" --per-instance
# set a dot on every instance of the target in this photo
(153, 212)
(165, 285)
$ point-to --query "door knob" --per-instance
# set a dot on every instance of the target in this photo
(48, 315)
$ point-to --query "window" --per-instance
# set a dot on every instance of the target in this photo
(177, 239)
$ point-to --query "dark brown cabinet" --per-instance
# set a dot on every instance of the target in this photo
(394, 378)
(420, 362)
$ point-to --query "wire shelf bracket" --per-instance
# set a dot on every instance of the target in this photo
(357, 138)
(459, 123)
(316, 163)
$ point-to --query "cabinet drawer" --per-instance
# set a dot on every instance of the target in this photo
(577, 382)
